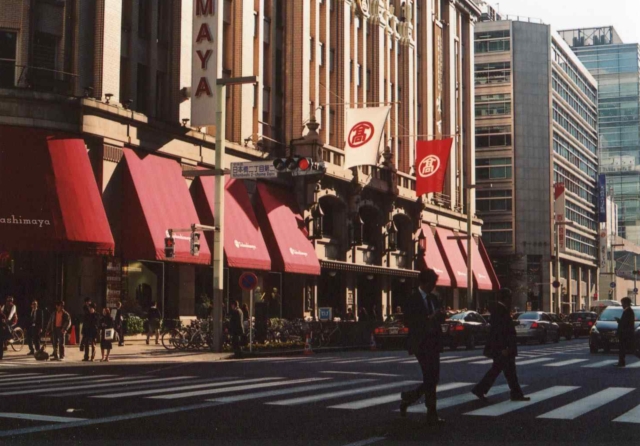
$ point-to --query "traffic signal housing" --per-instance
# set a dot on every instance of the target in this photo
(169, 247)
(195, 243)
(298, 166)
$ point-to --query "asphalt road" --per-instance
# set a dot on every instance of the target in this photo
(334, 399)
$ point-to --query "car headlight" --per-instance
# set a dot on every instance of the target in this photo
(594, 330)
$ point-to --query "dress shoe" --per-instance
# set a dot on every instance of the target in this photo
(480, 396)
(520, 398)
(403, 408)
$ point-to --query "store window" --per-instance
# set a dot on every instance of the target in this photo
(8, 42)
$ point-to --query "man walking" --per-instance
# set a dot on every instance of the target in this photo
(34, 329)
(502, 347)
(118, 322)
(154, 319)
(626, 327)
(59, 324)
(423, 316)
(85, 313)
(236, 328)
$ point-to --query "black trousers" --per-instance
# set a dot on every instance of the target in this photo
(501, 364)
(235, 343)
(625, 344)
(57, 339)
(429, 360)
(120, 333)
(33, 339)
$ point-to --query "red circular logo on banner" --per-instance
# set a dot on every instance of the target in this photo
(428, 166)
(360, 134)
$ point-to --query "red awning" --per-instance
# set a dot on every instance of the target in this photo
(480, 274)
(244, 245)
(453, 257)
(156, 198)
(433, 258)
(489, 266)
(283, 228)
(49, 198)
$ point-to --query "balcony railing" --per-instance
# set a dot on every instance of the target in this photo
(38, 79)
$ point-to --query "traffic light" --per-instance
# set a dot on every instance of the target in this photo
(195, 243)
(293, 163)
(169, 247)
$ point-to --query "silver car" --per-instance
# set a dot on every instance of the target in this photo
(537, 326)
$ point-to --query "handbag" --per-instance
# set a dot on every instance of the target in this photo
(41, 355)
(109, 334)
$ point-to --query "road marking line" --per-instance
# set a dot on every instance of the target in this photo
(601, 364)
(117, 381)
(358, 373)
(457, 400)
(38, 381)
(411, 361)
(351, 361)
(162, 385)
(270, 393)
(635, 365)
(384, 361)
(12, 376)
(114, 419)
(393, 398)
(486, 361)
(470, 358)
(592, 402)
(12, 379)
(34, 417)
(174, 396)
(511, 406)
(326, 396)
(567, 362)
(533, 361)
(367, 441)
(173, 389)
(633, 416)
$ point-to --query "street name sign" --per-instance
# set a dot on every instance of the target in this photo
(253, 169)
(324, 314)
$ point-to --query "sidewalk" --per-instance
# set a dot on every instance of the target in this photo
(135, 351)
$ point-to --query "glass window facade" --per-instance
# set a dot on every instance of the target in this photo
(493, 136)
(494, 201)
(492, 41)
(493, 73)
(494, 169)
(493, 105)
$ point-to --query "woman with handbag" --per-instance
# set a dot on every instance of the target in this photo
(106, 334)
(90, 323)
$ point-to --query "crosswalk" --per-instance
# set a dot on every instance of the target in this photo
(330, 392)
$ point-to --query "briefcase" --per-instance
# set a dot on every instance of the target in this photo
(41, 355)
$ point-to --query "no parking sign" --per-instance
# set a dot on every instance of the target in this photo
(248, 281)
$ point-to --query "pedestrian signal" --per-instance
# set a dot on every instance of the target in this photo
(169, 247)
(195, 243)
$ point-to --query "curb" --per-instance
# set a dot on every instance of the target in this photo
(247, 354)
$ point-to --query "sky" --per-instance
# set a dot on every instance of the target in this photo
(624, 15)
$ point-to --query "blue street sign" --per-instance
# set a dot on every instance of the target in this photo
(612, 285)
(248, 281)
(324, 314)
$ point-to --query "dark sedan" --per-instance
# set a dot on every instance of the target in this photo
(582, 322)
(393, 331)
(603, 333)
(565, 327)
(468, 328)
(536, 326)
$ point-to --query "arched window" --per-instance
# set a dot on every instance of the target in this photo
(405, 232)
(371, 218)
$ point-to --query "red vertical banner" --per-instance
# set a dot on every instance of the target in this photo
(432, 159)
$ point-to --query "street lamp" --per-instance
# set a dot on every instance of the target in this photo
(469, 239)
(392, 237)
(421, 243)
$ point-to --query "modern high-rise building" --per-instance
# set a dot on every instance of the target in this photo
(616, 66)
(113, 79)
(536, 137)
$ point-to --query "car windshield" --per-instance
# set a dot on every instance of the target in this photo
(394, 318)
(529, 315)
(611, 313)
(458, 317)
(583, 316)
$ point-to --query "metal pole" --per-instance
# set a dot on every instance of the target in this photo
(635, 280)
(251, 321)
(469, 252)
(612, 268)
(557, 304)
(218, 218)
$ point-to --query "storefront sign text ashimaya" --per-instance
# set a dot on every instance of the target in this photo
(24, 221)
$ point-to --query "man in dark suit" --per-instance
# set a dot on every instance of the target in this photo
(502, 347)
(236, 328)
(626, 327)
(34, 327)
(118, 322)
(423, 316)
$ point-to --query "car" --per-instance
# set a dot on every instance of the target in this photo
(537, 326)
(515, 316)
(564, 326)
(392, 331)
(582, 322)
(467, 328)
(603, 332)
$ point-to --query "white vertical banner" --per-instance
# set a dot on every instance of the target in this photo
(207, 32)
(363, 133)
(560, 209)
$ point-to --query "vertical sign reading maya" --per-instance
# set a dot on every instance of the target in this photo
(204, 70)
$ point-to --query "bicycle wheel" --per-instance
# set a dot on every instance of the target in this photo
(170, 339)
(17, 341)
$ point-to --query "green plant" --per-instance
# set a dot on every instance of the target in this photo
(135, 324)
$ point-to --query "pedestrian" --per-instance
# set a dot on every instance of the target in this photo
(34, 329)
(363, 316)
(245, 312)
(275, 303)
(626, 328)
(502, 347)
(106, 344)
(85, 312)
(374, 312)
(349, 316)
(423, 316)
(10, 316)
(153, 319)
(398, 309)
(236, 328)
(90, 329)
(59, 324)
(119, 323)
